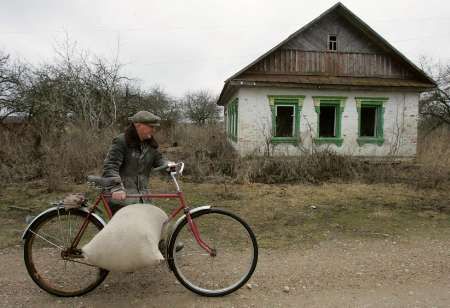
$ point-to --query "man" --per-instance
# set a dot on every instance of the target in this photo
(132, 156)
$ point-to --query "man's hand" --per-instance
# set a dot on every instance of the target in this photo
(119, 195)
(171, 166)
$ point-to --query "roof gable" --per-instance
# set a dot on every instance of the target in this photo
(359, 45)
(315, 37)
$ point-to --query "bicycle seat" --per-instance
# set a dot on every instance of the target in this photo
(103, 182)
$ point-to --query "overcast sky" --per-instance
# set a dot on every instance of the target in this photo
(188, 45)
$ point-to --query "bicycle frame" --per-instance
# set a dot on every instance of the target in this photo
(103, 198)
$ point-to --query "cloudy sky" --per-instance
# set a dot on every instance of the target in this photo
(188, 45)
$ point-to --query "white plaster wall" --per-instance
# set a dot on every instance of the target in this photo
(235, 144)
(400, 123)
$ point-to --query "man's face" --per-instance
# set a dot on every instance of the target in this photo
(144, 131)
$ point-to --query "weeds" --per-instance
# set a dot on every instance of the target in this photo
(66, 158)
(70, 155)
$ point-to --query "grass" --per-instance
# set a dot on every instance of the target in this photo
(282, 216)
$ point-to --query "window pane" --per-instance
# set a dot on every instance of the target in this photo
(327, 121)
(368, 121)
(285, 121)
(332, 42)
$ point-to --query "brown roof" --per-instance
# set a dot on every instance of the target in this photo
(421, 82)
(329, 80)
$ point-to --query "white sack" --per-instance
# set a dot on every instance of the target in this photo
(129, 241)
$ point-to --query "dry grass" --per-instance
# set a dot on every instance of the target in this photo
(67, 157)
(281, 215)
(205, 149)
(434, 148)
(210, 157)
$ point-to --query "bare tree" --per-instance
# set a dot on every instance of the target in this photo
(267, 132)
(163, 105)
(435, 105)
(76, 87)
(11, 86)
(156, 100)
(201, 107)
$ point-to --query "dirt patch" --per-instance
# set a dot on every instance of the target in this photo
(331, 245)
(336, 273)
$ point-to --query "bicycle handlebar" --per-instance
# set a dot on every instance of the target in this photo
(160, 168)
(181, 168)
(171, 167)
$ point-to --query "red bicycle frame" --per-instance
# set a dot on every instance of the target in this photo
(104, 197)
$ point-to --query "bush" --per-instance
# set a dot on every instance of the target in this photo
(70, 155)
(308, 168)
(208, 155)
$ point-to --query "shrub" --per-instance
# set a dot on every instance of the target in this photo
(70, 155)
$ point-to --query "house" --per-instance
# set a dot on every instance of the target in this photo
(335, 83)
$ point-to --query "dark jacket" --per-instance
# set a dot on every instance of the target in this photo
(132, 160)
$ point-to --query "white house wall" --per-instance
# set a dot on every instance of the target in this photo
(255, 122)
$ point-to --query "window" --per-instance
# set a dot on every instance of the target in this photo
(285, 118)
(370, 119)
(368, 125)
(232, 119)
(332, 42)
(329, 117)
(327, 121)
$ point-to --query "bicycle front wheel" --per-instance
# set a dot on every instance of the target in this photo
(222, 272)
(49, 261)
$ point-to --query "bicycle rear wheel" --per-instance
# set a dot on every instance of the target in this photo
(234, 259)
(48, 261)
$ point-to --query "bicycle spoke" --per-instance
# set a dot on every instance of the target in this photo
(233, 262)
(56, 272)
(60, 242)
(41, 237)
(84, 263)
(70, 229)
(61, 229)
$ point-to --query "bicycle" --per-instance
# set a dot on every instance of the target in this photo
(218, 254)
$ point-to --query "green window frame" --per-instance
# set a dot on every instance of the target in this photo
(330, 101)
(232, 119)
(294, 101)
(378, 104)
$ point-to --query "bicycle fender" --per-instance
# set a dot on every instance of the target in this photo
(57, 208)
(179, 221)
(183, 217)
(192, 211)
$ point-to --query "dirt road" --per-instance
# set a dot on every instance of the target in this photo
(390, 272)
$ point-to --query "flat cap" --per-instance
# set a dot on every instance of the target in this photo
(145, 117)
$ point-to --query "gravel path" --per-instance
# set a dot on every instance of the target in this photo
(350, 273)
